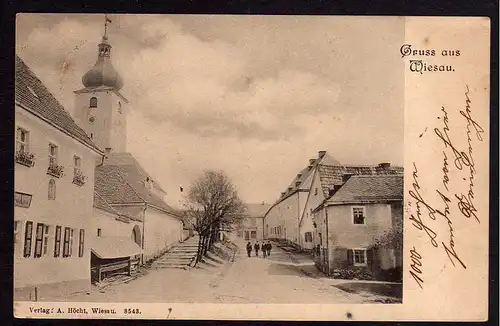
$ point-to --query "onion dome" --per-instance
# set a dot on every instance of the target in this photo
(103, 73)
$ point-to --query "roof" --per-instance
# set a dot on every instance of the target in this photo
(303, 179)
(101, 203)
(122, 183)
(128, 165)
(257, 210)
(113, 187)
(32, 95)
(331, 175)
(114, 247)
(368, 189)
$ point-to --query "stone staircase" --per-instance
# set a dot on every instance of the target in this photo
(179, 256)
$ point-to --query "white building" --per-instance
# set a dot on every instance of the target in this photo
(101, 109)
(54, 185)
(282, 219)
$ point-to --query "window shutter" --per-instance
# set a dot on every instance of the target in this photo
(350, 256)
(28, 234)
(39, 240)
(81, 243)
(57, 242)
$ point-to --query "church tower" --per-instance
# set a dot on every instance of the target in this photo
(100, 108)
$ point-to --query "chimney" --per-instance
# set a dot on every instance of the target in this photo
(283, 194)
(290, 188)
(297, 183)
(346, 177)
(311, 161)
(321, 154)
(299, 175)
(385, 165)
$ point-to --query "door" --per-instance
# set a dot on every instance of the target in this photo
(247, 235)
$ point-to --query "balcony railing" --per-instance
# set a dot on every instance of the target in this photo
(79, 178)
(25, 158)
(55, 170)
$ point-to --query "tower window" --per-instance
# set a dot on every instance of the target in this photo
(93, 102)
(120, 107)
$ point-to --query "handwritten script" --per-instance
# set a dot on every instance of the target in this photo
(435, 206)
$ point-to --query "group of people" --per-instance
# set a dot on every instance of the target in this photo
(265, 247)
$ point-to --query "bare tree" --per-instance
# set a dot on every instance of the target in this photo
(212, 205)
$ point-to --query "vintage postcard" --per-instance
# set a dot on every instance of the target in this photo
(239, 167)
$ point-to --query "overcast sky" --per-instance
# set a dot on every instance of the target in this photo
(255, 96)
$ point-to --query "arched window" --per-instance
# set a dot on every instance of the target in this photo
(52, 189)
(93, 102)
(136, 235)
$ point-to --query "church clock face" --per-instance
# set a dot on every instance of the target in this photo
(91, 119)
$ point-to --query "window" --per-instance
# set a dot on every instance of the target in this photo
(315, 191)
(93, 102)
(81, 243)
(52, 154)
(253, 234)
(28, 234)
(77, 163)
(98, 232)
(39, 240)
(46, 240)
(57, 242)
(320, 239)
(358, 214)
(91, 135)
(308, 237)
(253, 222)
(66, 242)
(52, 189)
(22, 140)
(120, 107)
(358, 257)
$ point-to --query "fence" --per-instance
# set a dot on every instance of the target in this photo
(100, 272)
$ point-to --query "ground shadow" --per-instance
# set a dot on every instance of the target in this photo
(394, 290)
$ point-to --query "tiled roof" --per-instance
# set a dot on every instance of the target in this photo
(32, 94)
(331, 175)
(101, 203)
(128, 165)
(303, 179)
(122, 183)
(369, 188)
(113, 187)
(257, 210)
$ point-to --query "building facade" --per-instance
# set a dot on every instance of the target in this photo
(358, 228)
(54, 185)
(282, 220)
(251, 227)
(327, 178)
(116, 241)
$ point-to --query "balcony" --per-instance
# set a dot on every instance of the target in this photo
(55, 170)
(25, 158)
(79, 178)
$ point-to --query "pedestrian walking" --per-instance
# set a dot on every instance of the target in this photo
(256, 247)
(268, 247)
(264, 250)
(249, 249)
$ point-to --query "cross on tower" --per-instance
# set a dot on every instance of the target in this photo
(106, 21)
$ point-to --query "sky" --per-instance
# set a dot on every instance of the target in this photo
(254, 96)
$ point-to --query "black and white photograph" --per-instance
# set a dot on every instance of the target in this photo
(211, 159)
